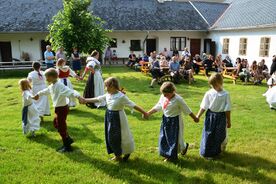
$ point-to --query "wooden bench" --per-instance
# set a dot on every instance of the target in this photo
(229, 72)
(145, 67)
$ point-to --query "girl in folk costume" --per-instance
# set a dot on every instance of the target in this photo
(271, 92)
(38, 81)
(64, 72)
(171, 131)
(217, 103)
(118, 137)
(30, 114)
(94, 85)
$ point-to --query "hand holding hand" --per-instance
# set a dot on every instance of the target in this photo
(82, 100)
(145, 115)
(36, 97)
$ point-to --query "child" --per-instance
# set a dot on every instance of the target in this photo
(217, 103)
(59, 93)
(38, 81)
(171, 131)
(30, 114)
(118, 137)
(63, 74)
(271, 92)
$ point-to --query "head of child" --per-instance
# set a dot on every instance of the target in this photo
(24, 84)
(95, 54)
(36, 66)
(168, 89)
(112, 85)
(60, 62)
(51, 75)
(216, 81)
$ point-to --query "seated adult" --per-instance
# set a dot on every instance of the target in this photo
(131, 59)
(243, 70)
(264, 69)
(174, 69)
(208, 65)
(188, 70)
(218, 63)
(227, 62)
(254, 72)
(197, 63)
(155, 71)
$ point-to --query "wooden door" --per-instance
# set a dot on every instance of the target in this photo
(5, 52)
(151, 45)
(195, 46)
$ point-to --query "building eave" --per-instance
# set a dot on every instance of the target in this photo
(244, 28)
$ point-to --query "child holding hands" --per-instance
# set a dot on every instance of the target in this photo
(60, 94)
(118, 137)
(171, 131)
(217, 103)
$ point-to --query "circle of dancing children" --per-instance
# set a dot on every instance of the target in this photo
(59, 94)
(216, 103)
(171, 132)
(118, 136)
(30, 114)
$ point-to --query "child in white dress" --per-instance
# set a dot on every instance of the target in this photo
(217, 103)
(171, 132)
(30, 114)
(271, 92)
(38, 81)
(64, 72)
(118, 137)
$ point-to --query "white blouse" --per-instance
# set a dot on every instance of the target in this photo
(26, 97)
(174, 107)
(216, 101)
(59, 93)
(272, 80)
(36, 79)
(116, 102)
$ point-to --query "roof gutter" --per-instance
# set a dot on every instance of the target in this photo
(244, 28)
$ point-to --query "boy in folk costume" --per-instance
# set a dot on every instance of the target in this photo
(171, 131)
(59, 93)
(64, 72)
(118, 137)
(30, 114)
(217, 103)
(38, 81)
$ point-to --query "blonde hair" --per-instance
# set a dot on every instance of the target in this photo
(167, 87)
(24, 84)
(94, 53)
(216, 79)
(51, 72)
(112, 82)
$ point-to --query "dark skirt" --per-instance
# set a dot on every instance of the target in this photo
(168, 139)
(213, 134)
(89, 90)
(156, 73)
(113, 132)
(76, 65)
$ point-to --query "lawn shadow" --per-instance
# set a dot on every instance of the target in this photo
(239, 165)
(90, 113)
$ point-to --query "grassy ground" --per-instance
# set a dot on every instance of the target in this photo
(250, 156)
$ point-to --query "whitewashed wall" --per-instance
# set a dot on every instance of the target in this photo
(253, 43)
(162, 39)
(21, 42)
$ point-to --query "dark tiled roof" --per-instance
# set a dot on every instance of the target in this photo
(244, 14)
(35, 15)
(211, 11)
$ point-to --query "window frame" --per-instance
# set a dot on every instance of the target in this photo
(243, 46)
(113, 43)
(225, 45)
(182, 43)
(135, 48)
(264, 46)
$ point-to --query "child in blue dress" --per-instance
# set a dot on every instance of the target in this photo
(171, 132)
(118, 137)
(217, 103)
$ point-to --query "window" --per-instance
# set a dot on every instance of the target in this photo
(135, 45)
(225, 46)
(243, 46)
(113, 43)
(264, 47)
(178, 43)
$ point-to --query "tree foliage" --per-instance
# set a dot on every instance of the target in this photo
(76, 26)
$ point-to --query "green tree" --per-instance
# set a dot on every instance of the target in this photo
(76, 26)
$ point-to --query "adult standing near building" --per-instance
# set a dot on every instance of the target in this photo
(108, 56)
(60, 54)
(76, 61)
(49, 57)
(94, 85)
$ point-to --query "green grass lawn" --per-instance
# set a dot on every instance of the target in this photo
(250, 156)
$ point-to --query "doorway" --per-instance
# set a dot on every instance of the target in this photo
(151, 46)
(209, 47)
(195, 46)
(5, 52)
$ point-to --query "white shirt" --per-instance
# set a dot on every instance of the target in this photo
(272, 80)
(26, 97)
(36, 79)
(116, 102)
(216, 101)
(174, 108)
(59, 93)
